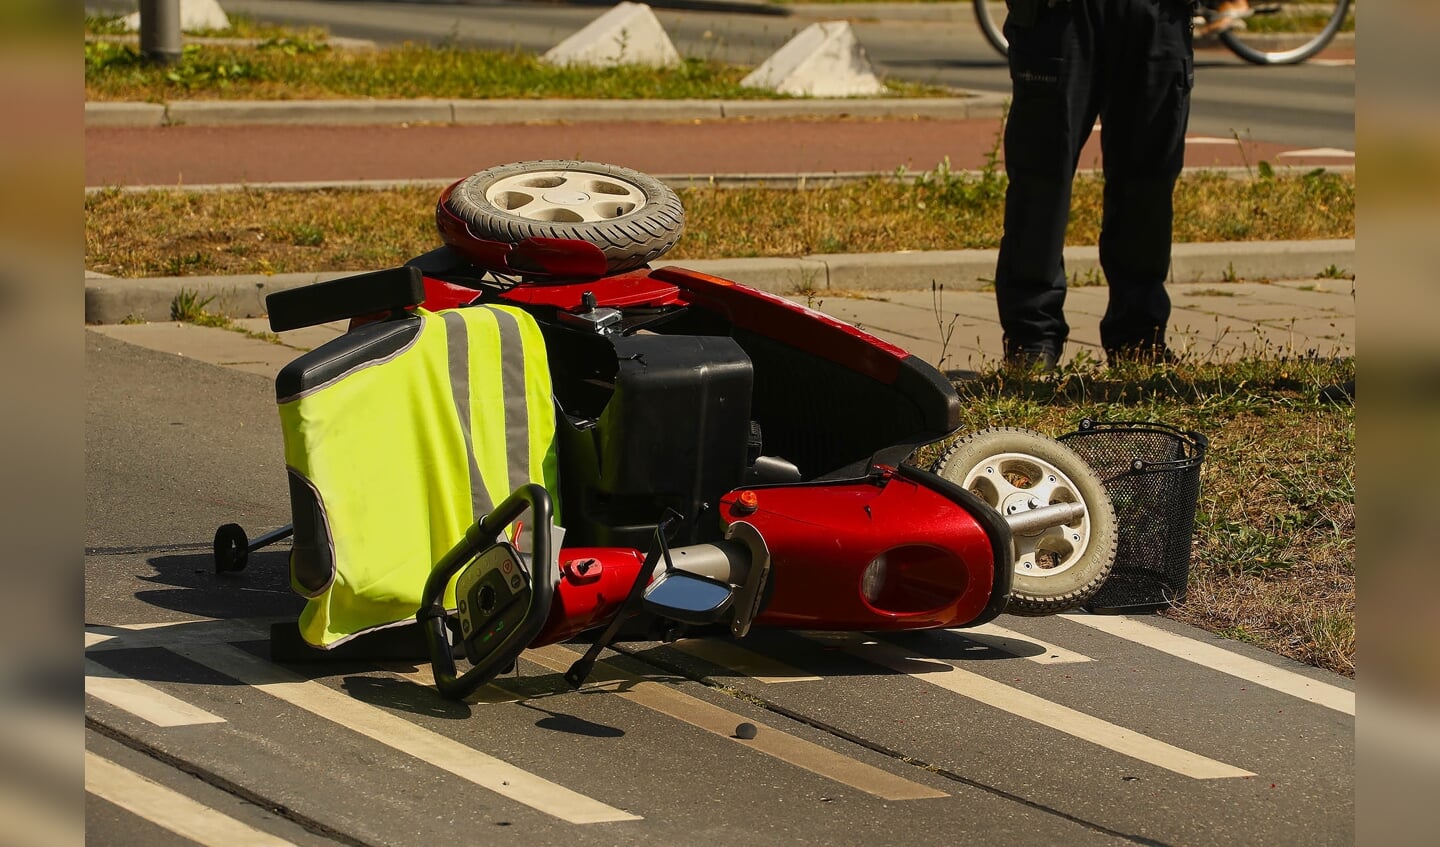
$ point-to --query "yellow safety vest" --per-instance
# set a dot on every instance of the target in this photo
(391, 461)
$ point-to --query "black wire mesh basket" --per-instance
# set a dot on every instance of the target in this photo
(1152, 473)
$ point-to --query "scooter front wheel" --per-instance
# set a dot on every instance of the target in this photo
(1019, 470)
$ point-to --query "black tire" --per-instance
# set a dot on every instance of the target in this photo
(232, 548)
(641, 223)
(1010, 468)
(991, 26)
(1263, 48)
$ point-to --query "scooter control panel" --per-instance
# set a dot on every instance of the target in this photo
(492, 596)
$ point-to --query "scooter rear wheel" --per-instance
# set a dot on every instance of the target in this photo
(632, 217)
(1017, 470)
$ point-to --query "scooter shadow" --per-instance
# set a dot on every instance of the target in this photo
(192, 587)
(960, 645)
(801, 655)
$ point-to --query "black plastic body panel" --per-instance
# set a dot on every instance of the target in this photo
(390, 290)
(361, 346)
(673, 433)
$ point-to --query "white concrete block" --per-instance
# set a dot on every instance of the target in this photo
(195, 15)
(822, 60)
(628, 34)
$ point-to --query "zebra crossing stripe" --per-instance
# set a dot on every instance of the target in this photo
(205, 630)
(1053, 715)
(170, 809)
(1220, 659)
(722, 722)
(141, 700)
(399, 734)
(1019, 644)
(754, 665)
(488, 694)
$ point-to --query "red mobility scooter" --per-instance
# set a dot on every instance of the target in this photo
(719, 458)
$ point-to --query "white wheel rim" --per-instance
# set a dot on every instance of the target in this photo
(1017, 482)
(565, 196)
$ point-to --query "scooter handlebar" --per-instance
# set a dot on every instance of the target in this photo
(478, 538)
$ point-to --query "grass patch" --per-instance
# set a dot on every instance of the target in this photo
(300, 65)
(1274, 552)
(173, 233)
(189, 307)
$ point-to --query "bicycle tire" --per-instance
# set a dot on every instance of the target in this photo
(992, 29)
(1248, 45)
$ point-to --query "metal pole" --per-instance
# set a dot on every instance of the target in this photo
(160, 30)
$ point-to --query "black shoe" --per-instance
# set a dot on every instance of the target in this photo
(1341, 393)
(1147, 354)
(1040, 357)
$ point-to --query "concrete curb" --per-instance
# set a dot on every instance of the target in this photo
(793, 181)
(114, 300)
(964, 105)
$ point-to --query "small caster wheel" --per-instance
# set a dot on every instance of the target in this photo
(232, 548)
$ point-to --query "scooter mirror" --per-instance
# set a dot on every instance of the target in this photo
(688, 598)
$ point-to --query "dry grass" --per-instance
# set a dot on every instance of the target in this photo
(169, 233)
(1274, 554)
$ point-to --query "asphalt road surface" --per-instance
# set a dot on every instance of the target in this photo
(1069, 730)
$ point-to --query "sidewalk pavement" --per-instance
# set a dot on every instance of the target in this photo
(955, 330)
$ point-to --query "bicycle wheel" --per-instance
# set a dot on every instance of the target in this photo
(1285, 33)
(990, 15)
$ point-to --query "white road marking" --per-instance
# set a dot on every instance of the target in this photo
(100, 634)
(754, 665)
(1020, 644)
(170, 809)
(1220, 659)
(200, 631)
(141, 700)
(397, 733)
(424, 676)
(1206, 139)
(722, 722)
(1332, 63)
(1042, 711)
(1319, 152)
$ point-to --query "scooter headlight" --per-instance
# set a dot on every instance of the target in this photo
(872, 582)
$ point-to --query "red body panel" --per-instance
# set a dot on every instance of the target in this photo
(617, 292)
(822, 537)
(793, 324)
(594, 582)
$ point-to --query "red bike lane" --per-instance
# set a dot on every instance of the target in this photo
(199, 155)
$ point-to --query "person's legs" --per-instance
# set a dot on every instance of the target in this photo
(1149, 74)
(1052, 111)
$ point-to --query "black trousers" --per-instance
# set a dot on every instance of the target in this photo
(1129, 63)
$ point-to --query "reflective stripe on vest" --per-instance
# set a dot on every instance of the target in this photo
(403, 455)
